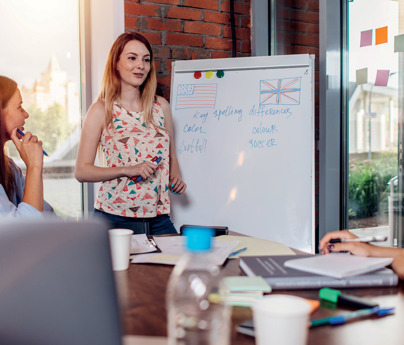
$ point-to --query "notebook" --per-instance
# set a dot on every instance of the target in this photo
(338, 265)
(57, 284)
(280, 277)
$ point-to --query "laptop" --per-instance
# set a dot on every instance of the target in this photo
(57, 284)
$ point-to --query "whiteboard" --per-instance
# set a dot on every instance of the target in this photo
(244, 137)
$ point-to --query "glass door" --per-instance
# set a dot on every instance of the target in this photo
(375, 44)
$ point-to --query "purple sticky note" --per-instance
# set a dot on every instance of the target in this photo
(366, 38)
(382, 77)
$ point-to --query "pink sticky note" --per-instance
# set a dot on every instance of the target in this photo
(382, 77)
(366, 38)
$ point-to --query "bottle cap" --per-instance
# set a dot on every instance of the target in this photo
(198, 240)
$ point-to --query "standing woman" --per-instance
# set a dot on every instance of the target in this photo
(19, 196)
(132, 126)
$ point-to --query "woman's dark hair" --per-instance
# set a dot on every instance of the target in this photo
(7, 90)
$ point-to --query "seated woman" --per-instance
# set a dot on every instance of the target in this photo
(19, 196)
(362, 249)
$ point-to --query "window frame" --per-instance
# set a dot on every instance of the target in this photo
(101, 21)
(334, 109)
(332, 154)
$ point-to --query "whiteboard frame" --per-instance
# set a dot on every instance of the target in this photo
(254, 62)
(260, 62)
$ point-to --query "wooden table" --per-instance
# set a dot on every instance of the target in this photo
(142, 289)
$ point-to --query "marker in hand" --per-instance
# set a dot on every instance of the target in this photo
(379, 238)
(156, 160)
(22, 133)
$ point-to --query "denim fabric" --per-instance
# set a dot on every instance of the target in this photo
(160, 225)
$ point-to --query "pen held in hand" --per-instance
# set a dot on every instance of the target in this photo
(156, 160)
(360, 239)
(23, 134)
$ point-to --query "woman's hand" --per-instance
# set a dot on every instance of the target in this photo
(145, 169)
(355, 248)
(29, 148)
(177, 185)
(341, 234)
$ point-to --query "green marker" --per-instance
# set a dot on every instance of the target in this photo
(336, 296)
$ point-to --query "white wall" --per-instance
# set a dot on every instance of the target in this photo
(107, 23)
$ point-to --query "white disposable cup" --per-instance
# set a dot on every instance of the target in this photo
(281, 320)
(119, 240)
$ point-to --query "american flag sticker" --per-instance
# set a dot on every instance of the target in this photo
(196, 96)
(280, 91)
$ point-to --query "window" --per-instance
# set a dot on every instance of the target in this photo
(373, 108)
(361, 141)
(40, 51)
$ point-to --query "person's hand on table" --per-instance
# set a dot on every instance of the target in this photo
(355, 248)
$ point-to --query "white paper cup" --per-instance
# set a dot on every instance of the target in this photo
(119, 240)
(281, 320)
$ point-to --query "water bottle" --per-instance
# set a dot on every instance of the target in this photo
(193, 318)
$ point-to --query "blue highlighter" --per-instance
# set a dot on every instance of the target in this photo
(156, 161)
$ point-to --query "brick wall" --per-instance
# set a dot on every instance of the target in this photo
(188, 29)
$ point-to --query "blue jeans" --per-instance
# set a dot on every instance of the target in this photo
(159, 225)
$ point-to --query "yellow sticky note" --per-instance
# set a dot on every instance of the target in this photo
(381, 35)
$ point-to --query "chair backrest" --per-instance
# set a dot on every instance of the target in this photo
(57, 284)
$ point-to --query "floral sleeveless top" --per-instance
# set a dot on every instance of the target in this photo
(128, 142)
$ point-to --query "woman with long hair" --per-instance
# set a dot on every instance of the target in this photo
(133, 127)
(19, 196)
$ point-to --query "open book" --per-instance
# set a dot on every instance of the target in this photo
(338, 265)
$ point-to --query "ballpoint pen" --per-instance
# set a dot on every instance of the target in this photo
(23, 134)
(358, 314)
(366, 239)
(238, 251)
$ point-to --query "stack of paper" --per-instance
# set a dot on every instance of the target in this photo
(173, 247)
(243, 291)
(246, 285)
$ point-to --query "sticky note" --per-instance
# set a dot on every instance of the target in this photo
(381, 35)
(382, 77)
(366, 38)
(399, 43)
(361, 76)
